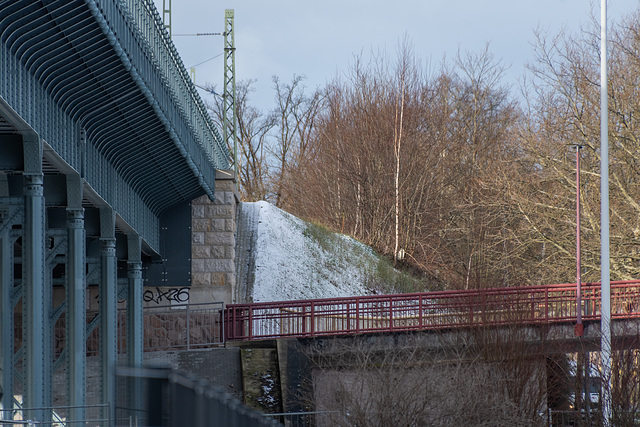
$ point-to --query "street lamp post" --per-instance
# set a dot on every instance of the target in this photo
(579, 328)
(605, 274)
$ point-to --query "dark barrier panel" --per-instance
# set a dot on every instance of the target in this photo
(162, 397)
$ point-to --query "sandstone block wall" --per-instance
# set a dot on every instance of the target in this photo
(213, 255)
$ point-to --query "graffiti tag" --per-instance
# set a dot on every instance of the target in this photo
(174, 294)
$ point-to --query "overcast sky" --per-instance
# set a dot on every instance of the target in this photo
(319, 39)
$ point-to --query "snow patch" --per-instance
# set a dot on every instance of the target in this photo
(296, 260)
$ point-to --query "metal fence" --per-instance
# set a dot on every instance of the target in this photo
(175, 327)
(182, 327)
(429, 310)
(55, 416)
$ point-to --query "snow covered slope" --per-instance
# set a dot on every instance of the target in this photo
(280, 257)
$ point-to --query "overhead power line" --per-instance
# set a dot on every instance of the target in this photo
(198, 34)
(207, 60)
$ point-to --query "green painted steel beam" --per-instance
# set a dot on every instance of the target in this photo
(76, 339)
(135, 331)
(35, 315)
(108, 308)
(6, 322)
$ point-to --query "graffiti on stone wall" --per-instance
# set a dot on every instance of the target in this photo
(158, 295)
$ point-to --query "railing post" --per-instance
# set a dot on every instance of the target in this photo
(228, 323)
(312, 319)
(390, 313)
(546, 304)
(348, 319)
(188, 329)
(357, 315)
(250, 326)
(420, 311)
(223, 324)
(304, 319)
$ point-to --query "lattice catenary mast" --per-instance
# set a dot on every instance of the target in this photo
(166, 15)
(229, 95)
(229, 112)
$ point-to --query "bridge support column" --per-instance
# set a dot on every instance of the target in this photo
(134, 303)
(213, 257)
(35, 310)
(6, 321)
(108, 308)
(76, 321)
(135, 332)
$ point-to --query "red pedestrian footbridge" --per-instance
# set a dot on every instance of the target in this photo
(549, 304)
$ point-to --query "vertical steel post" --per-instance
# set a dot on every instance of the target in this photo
(304, 319)
(76, 322)
(188, 328)
(35, 311)
(579, 328)
(134, 302)
(546, 304)
(605, 275)
(76, 314)
(312, 319)
(108, 308)
(357, 314)
(135, 332)
(6, 323)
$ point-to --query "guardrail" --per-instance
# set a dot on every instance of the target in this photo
(426, 311)
(173, 327)
(183, 326)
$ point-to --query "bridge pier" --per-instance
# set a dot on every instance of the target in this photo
(11, 213)
(134, 301)
(213, 271)
(76, 317)
(36, 302)
(108, 292)
(45, 250)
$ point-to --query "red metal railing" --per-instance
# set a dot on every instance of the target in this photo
(424, 311)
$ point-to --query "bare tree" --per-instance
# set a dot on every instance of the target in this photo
(563, 110)
(295, 118)
(253, 129)
(415, 380)
(405, 160)
(403, 69)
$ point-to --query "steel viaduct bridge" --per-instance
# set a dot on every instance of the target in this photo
(103, 143)
(102, 137)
